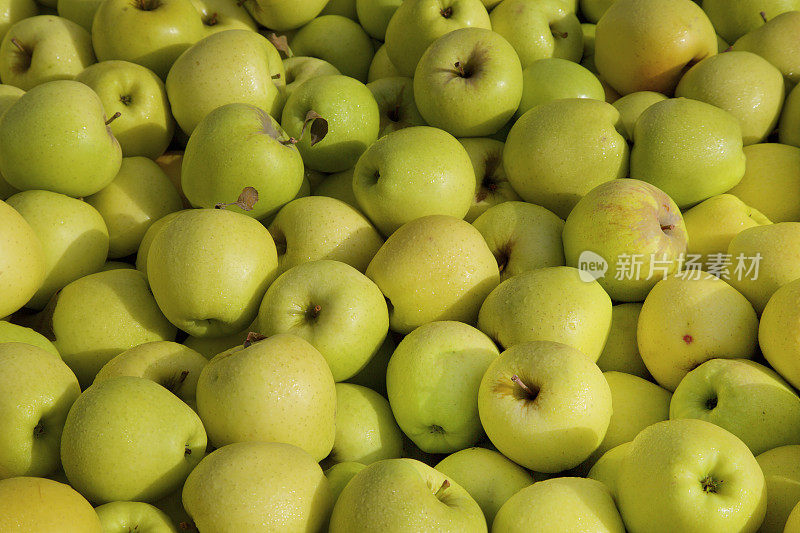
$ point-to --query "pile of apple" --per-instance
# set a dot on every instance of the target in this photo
(400, 266)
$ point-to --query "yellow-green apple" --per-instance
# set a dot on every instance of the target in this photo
(115, 265)
(219, 15)
(334, 307)
(42, 121)
(38, 391)
(374, 16)
(631, 106)
(775, 42)
(8, 95)
(73, 236)
(301, 68)
(560, 504)
(771, 182)
(281, 15)
(319, 227)
(128, 438)
(13, 11)
(593, 10)
(117, 517)
(208, 347)
(713, 223)
(145, 125)
(789, 124)
(763, 259)
(793, 522)
(750, 400)
(606, 469)
(434, 268)
(488, 476)
(690, 475)
(554, 78)
(340, 474)
(258, 485)
(171, 163)
(395, 98)
(172, 506)
(235, 66)
(366, 431)
(439, 419)
(38, 504)
(559, 151)
(15, 333)
(491, 182)
(344, 8)
(81, 12)
(151, 33)
(139, 195)
(689, 318)
(668, 152)
(351, 119)
(412, 173)
(238, 146)
(373, 375)
(631, 229)
(379, 497)
(621, 351)
(647, 45)
(281, 390)
(782, 477)
(23, 264)
(589, 30)
(147, 239)
(339, 186)
(417, 23)
(44, 48)
(468, 82)
(522, 237)
(778, 333)
(381, 66)
(734, 19)
(548, 304)
(218, 291)
(339, 41)
(719, 80)
(544, 405)
(173, 366)
(538, 30)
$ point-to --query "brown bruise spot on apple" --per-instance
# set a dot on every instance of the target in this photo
(558, 34)
(688, 339)
(710, 484)
(23, 57)
(147, 5)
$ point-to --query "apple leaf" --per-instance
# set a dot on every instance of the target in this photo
(281, 43)
(253, 337)
(316, 125)
(247, 199)
(269, 127)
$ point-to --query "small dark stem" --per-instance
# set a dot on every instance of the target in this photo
(763, 16)
(19, 46)
(114, 117)
(515, 379)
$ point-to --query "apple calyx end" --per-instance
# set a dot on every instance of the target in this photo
(446, 12)
(710, 484)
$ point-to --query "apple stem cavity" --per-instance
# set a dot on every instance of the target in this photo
(460, 70)
(710, 485)
(38, 430)
(147, 5)
(211, 20)
(515, 378)
(711, 403)
(445, 485)
(113, 117)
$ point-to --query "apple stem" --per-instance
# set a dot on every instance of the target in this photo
(444, 487)
(763, 16)
(560, 34)
(19, 46)
(114, 117)
(668, 227)
(515, 379)
(460, 69)
(212, 20)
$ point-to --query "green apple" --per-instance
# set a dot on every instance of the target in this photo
(468, 82)
(606, 469)
(318, 227)
(763, 259)
(374, 16)
(41, 122)
(339, 41)
(446, 262)
(37, 504)
(544, 405)
(300, 68)
(631, 106)
(548, 304)
(238, 146)
(793, 522)
(380, 497)
(147, 240)
(491, 182)
(373, 375)
(208, 347)
(589, 31)
(561, 504)
(621, 351)
(44, 48)
(333, 306)
(38, 391)
(771, 177)
(73, 236)
(782, 477)
(522, 237)
(749, 400)
(646, 45)
(281, 15)
(668, 153)
(171, 163)
(219, 16)
(554, 78)
(689, 318)
(690, 476)
(209, 269)
(339, 186)
(145, 124)
(236, 66)
(151, 33)
(631, 229)
(340, 474)
(365, 428)
(8, 95)
(173, 366)
(121, 517)
(128, 438)
(789, 124)
(381, 66)
(559, 151)
(81, 12)
(351, 116)
(344, 8)
(395, 99)
(488, 476)
(116, 265)
(280, 389)
(734, 19)
(742, 83)
(15, 333)
(23, 264)
(13, 11)
(777, 332)
(437, 418)
(593, 10)
(775, 42)
(538, 30)
(417, 23)
(411, 173)
(139, 195)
